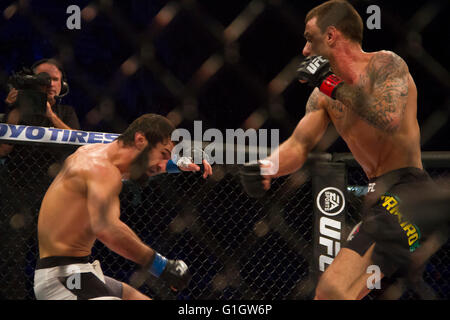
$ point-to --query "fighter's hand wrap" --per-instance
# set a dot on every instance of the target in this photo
(175, 166)
(174, 272)
(316, 71)
(172, 167)
(252, 179)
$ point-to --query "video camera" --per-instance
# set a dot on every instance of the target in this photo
(27, 80)
(32, 96)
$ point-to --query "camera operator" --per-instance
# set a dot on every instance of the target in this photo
(56, 115)
(46, 78)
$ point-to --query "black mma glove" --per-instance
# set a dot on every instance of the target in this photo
(316, 71)
(176, 274)
(252, 179)
(173, 272)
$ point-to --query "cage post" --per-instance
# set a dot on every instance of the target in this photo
(329, 181)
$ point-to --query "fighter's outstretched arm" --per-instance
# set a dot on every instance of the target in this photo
(292, 153)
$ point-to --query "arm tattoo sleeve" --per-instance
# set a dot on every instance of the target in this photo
(313, 102)
(380, 98)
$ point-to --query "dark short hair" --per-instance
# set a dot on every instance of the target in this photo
(340, 14)
(51, 61)
(154, 127)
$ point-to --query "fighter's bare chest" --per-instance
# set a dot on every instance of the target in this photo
(351, 127)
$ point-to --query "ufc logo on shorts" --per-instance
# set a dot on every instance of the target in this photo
(314, 65)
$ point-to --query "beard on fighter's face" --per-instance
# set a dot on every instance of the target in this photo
(139, 167)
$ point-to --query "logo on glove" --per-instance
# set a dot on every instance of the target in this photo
(315, 64)
(181, 268)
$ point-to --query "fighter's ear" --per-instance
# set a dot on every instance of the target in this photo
(331, 35)
(140, 141)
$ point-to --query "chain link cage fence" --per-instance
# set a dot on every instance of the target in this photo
(236, 247)
(230, 64)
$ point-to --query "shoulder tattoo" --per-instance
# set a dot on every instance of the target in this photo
(381, 97)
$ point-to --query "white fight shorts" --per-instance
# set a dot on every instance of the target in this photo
(73, 278)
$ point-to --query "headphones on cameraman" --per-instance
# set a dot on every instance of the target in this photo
(64, 84)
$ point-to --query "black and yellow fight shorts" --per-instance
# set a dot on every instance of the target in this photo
(394, 232)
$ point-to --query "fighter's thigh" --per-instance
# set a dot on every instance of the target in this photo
(130, 293)
(347, 267)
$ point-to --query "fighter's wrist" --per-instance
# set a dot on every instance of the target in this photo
(157, 265)
(172, 167)
(330, 85)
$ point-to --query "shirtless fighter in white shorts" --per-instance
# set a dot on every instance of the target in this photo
(82, 205)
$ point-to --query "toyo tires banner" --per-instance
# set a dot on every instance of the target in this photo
(21, 133)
